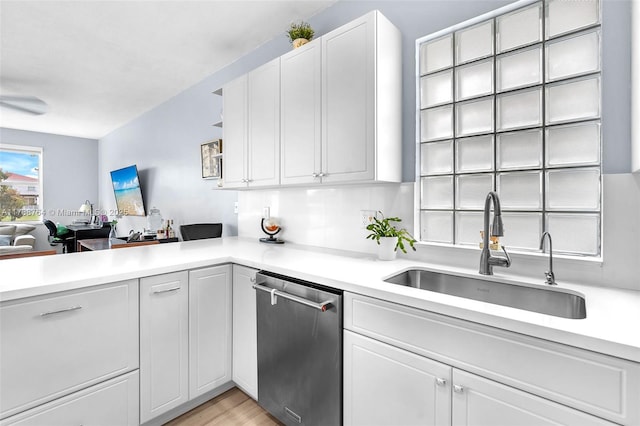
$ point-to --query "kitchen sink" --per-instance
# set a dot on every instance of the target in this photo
(550, 301)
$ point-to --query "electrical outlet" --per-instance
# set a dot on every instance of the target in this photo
(366, 217)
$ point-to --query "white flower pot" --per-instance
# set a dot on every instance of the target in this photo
(386, 248)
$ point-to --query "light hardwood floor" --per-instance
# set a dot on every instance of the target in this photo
(232, 408)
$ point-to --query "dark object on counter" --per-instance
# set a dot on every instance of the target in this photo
(168, 240)
(201, 231)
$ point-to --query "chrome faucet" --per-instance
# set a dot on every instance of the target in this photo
(550, 278)
(487, 262)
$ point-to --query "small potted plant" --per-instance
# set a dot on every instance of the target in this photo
(388, 237)
(300, 33)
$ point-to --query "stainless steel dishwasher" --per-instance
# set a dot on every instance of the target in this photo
(299, 350)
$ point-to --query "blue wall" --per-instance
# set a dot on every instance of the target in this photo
(69, 170)
(165, 141)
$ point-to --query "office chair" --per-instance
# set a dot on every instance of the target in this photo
(200, 231)
(67, 239)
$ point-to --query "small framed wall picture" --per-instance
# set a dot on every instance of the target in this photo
(211, 157)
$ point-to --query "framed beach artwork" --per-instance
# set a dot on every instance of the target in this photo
(211, 157)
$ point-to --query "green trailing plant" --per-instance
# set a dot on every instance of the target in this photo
(298, 30)
(384, 228)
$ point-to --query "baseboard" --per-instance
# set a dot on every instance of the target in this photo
(189, 405)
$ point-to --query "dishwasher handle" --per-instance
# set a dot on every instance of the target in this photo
(322, 306)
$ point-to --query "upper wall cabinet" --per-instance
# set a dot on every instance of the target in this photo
(252, 128)
(361, 102)
(332, 116)
(234, 164)
(301, 118)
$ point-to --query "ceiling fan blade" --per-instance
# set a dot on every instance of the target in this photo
(29, 104)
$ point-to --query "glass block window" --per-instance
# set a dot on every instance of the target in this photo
(512, 103)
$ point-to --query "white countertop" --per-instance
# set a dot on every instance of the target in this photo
(611, 326)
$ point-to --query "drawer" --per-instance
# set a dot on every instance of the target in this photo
(114, 402)
(605, 386)
(51, 346)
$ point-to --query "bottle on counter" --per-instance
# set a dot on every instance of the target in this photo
(172, 232)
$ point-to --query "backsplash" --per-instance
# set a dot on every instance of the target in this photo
(325, 217)
(330, 218)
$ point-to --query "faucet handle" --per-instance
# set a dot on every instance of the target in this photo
(508, 258)
(505, 262)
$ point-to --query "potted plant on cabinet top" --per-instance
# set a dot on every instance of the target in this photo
(388, 237)
(300, 33)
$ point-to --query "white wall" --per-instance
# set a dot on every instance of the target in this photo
(69, 171)
(325, 217)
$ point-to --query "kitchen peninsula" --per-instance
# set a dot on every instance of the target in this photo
(606, 334)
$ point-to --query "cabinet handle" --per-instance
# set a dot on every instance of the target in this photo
(458, 389)
(252, 279)
(440, 382)
(315, 175)
(166, 290)
(322, 174)
(72, 308)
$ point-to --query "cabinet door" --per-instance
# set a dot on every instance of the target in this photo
(234, 161)
(348, 101)
(301, 119)
(479, 401)
(56, 344)
(164, 339)
(209, 329)
(114, 402)
(384, 385)
(245, 337)
(263, 130)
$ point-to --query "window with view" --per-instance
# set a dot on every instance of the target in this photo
(510, 102)
(20, 183)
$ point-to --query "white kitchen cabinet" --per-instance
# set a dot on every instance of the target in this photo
(478, 401)
(384, 385)
(164, 343)
(209, 329)
(532, 369)
(263, 125)
(361, 101)
(301, 114)
(327, 112)
(114, 402)
(54, 345)
(245, 331)
(234, 164)
(252, 128)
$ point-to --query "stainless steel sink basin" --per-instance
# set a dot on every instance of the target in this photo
(550, 301)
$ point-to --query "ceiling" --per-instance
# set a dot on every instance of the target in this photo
(100, 64)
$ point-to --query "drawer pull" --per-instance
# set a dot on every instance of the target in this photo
(458, 389)
(440, 382)
(166, 290)
(72, 308)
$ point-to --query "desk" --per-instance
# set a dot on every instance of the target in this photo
(93, 244)
(83, 232)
